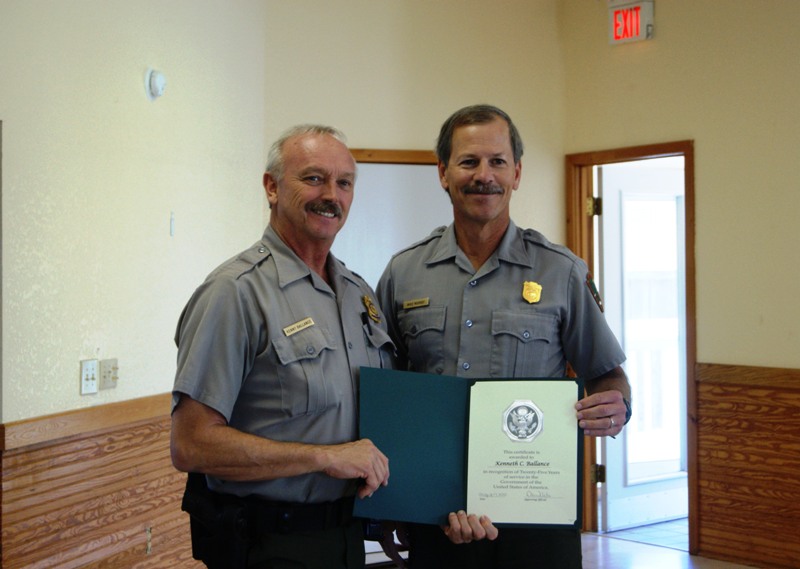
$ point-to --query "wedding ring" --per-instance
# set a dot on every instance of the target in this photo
(612, 422)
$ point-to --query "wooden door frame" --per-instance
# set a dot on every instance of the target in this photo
(580, 238)
(387, 156)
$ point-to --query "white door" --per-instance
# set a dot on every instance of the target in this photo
(642, 279)
(418, 205)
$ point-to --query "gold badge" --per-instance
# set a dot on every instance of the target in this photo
(531, 291)
(371, 309)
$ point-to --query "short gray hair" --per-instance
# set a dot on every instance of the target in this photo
(275, 162)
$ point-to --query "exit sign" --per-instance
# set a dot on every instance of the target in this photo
(630, 21)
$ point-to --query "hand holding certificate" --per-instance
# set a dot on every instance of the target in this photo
(510, 449)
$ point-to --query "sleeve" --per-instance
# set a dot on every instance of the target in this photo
(589, 343)
(385, 295)
(214, 346)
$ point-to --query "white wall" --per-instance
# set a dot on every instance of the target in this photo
(389, 74)
(726, 75)
(92, 170)
(370, 236)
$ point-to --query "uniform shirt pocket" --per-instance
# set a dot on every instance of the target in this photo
(422, 332)
(380, 348)
(300, 371)
(525, 344)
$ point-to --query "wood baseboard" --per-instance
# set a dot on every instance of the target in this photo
(48, 428)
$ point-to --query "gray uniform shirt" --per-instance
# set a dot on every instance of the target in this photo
(269, 345)
(446, 318)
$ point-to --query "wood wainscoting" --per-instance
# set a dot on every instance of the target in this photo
(748, 446)
(93, 488)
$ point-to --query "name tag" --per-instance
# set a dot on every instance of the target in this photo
(297, 326)
(416, 303)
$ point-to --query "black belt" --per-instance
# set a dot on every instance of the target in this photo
(289, 517)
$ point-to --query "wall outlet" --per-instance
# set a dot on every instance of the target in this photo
(89, 377)
(108, 373)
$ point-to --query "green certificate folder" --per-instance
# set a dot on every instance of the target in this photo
(521, 464)
(418, 420)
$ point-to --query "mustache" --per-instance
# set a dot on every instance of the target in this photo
(484, 189)
(325, 207)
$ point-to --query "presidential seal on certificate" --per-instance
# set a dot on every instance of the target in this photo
(510, 448)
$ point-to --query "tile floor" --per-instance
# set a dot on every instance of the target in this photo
(604, 552)
(674, 534)
(657, 546)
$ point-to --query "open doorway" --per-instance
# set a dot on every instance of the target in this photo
(639, 265)
(640, 244)
(1, 266)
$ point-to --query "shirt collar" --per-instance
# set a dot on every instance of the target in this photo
(291, 268)
(512, 247)
(510, 250)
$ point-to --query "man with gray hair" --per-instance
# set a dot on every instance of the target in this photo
(265, 394)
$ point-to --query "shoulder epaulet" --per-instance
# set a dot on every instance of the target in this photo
(533, 236)
(245, 261)
(435, 234)
(255, 254)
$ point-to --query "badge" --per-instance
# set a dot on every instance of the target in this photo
(371, 309)
(531, 291)
(594, 292)
(523, 421)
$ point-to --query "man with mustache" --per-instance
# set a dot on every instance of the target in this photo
(265, 393)
(483, 298)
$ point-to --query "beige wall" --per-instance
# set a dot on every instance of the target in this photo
(389, 74)
(725, 74)
(92, 170)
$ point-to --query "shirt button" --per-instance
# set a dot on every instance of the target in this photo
(350, 345)
(526, 334)
(468, 323)
(473, 283)
(261, 249)
(465, 365)
(413, 329)
(309, 349)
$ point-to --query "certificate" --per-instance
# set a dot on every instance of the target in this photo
(523, 453)
(510, 449)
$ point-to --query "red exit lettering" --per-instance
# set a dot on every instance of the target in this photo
(627, 23)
